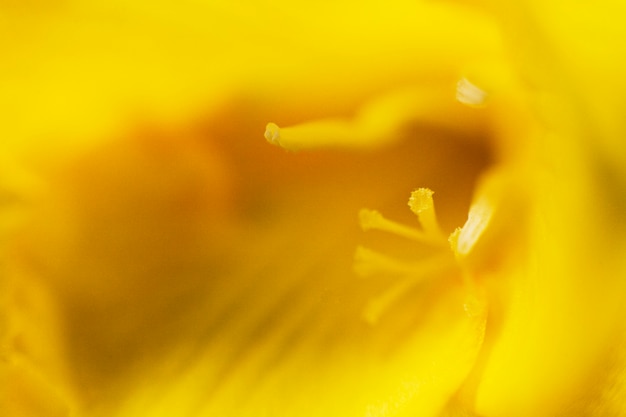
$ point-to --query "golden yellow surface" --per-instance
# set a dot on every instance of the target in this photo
(159, 258)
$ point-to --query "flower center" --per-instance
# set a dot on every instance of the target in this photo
(377, 124)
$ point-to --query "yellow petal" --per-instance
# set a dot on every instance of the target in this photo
(548, 357)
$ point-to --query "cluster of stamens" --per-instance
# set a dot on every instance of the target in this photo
(407, 274)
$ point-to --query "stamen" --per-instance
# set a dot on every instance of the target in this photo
(463, 239)
(412, 273)
(421, 203)
(373, 220)
(376, 307)
(320, 134)
(377, 123)
(469, 94)
(368, 262)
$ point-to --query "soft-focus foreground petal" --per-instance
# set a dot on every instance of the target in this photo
(560, 350)
(153, 267)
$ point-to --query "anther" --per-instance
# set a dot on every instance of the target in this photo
(272, 134)
(421, 203)
(469, 94)
(464, 239)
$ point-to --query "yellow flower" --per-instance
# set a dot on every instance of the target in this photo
(159, 259)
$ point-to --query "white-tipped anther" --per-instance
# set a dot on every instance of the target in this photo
(477, 221)
(469, 94)
(272, 133)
